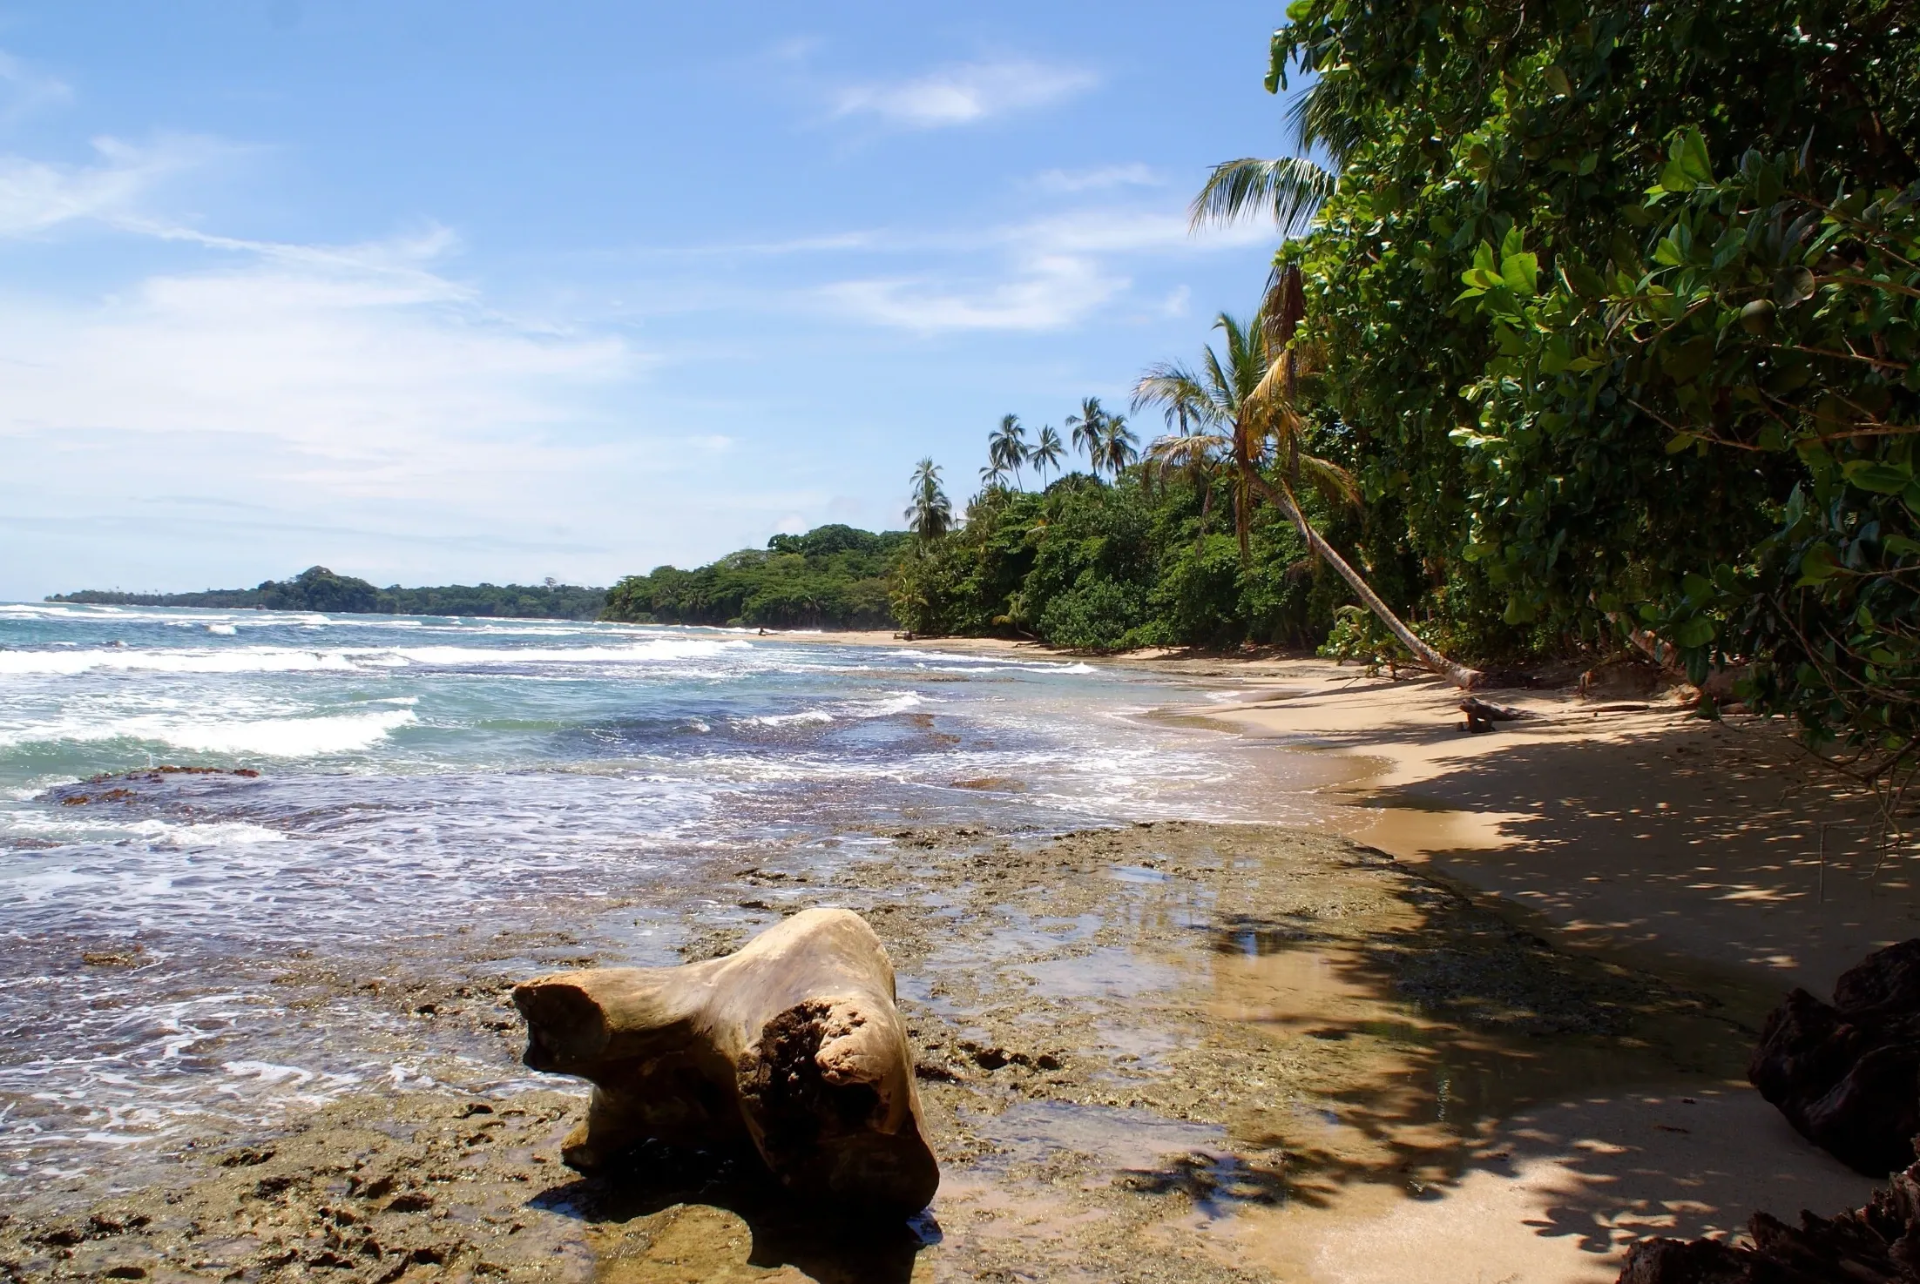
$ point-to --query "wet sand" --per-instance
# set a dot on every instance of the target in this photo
(1177, 1051)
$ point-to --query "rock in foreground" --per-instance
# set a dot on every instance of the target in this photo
(1877, 1244)
(1847, 1074)
(792, 1046)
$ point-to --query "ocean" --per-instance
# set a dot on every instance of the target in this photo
(427, 799)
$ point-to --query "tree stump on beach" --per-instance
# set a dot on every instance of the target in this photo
(792, 1046)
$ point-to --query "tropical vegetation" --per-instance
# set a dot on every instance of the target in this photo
(831, 577)
(1593, 325)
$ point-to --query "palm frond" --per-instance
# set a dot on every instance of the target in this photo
(1291, 189)
(1330, 479)
(1319, 119)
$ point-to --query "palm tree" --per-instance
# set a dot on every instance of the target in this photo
(1118, 446)
(1007, 447)
(929, 513)
(1239, 413)
(993, 477)
(1048, 453)
(1086, 430)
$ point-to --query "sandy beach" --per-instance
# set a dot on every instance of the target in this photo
(1488, 1023)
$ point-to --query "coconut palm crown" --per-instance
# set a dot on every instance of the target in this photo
(929, 513)
(1085, 427)
(1047, 453)
(1007, 446)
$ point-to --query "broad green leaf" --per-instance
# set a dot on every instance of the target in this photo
(1817, 566)
(1695, 632)
(1793, 286)
(1521, 272)
(1878, 476)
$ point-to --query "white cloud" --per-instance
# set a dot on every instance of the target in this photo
(1049, 291)
(36, 196)
(366, 371)
(1055, 272)
(24, 90)
(1097, 179)
(964, 93)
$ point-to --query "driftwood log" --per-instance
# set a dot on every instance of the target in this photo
(1846, 1074)
(791, 1046)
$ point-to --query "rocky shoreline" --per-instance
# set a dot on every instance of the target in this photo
(1129, 1041)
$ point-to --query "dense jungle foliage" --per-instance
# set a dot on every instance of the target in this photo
(831, 577)
(1619, 307)
(319, 589)
(1098, 565)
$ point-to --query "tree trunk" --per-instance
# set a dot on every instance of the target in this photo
(1459, 674)
(791, 1046)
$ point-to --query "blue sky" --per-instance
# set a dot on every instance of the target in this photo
(436, 292)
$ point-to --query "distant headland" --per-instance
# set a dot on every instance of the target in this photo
(319, 589)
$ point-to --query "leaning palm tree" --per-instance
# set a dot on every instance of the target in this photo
(1118, 446)
(1047, 453)
(929, 514)
(1007, 446)
(1238, 414)
(1085, 427)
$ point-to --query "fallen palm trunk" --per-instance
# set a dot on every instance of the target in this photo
(792, 1045)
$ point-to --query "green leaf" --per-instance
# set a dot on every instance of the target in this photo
(1695, 632)
(1817, 566)
(1878, 476)
(1521, 273)
(1688, 160)
(1513, 243)
(1583, 280)
(1557, 81)
(1792, 286)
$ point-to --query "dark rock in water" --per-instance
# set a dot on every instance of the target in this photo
(1847, 1074)
(1880, 1242)
(164, 783)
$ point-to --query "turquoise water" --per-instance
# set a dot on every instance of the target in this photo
(446, 798)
